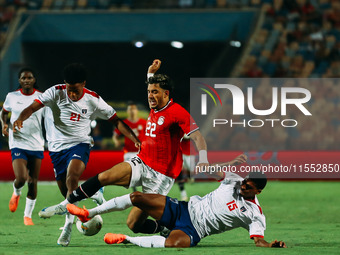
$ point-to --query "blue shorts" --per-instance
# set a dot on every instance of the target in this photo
(61, 159)
(176, 216)
(26, 154)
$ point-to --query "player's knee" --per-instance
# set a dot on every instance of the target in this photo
(136, 197)
(133, 225)
(20, 181)
(179, 243)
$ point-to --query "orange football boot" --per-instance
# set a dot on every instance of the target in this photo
(13, 203)
(111, 238)
(28, 221)
(82, 214)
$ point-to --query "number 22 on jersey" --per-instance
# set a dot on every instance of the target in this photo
(150, 129)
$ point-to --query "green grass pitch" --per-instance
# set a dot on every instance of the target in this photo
(303, 214)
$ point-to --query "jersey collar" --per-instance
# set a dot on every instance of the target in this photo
(34, 90)
(164, 107)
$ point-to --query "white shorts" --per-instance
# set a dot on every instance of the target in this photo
(129, 155)
(150, 180)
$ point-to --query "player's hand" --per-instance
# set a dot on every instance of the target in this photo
(4, 130)
(156, 64)
(277, 244)
(18, 124)
(238, 160)
(138, 146)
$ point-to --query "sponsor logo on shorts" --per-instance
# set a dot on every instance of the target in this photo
(75, 155)
(17, 154)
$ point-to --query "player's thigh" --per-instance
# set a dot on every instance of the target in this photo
(33, 166)
(152, 204)
(136, 217)
(75, 168)
(178, 238)
(120, 175)
(20, 168)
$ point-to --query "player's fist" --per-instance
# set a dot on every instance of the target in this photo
(156, 64)
(18, 124)
(4, 130)
(277, 244)
(239, 160)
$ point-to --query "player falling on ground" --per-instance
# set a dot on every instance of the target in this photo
(27, 145)
(232, 205)
(69, 141)
(159, 161)
(138, 127)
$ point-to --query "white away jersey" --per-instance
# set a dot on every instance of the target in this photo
(70, 123)
(225, 209)
(30, 137)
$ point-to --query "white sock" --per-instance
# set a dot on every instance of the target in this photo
(69, 218)
(115, 204)
(184, 193)
(17, 191)
(30, 203)
(147, 241)
(65, 202)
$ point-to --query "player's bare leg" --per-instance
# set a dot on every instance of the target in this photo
(32, 183)
(119, 174)
(74, 170)
(177, 238)
(20, 172)
(144, 204)
(136, 219)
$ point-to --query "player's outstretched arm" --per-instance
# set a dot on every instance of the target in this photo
(25, 114)
(240, 159)
(260, 242)
(4, 125)
(126, 130)
(156, 64)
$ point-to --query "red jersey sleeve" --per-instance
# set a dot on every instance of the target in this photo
(185, 121)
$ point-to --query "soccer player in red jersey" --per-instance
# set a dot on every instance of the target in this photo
(138, 127)
(159, 161)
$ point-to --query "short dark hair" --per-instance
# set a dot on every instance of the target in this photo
(75, 73)
(163, 81)
(29, 70)
(259, 178)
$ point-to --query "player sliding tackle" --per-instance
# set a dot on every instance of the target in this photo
(159, 161)
(233, 204)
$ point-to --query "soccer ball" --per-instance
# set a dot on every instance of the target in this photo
(91, 227)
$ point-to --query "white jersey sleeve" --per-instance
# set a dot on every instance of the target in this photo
(48, 96)
(103, 111)
(257, 226)
(230, 178)
(7, 105)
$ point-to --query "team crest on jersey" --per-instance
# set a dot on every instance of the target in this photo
(84, 111)
(243, 209)
(161, 120)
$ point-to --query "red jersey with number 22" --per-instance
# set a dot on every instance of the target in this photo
(161, 148)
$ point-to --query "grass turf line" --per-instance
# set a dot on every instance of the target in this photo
(304, 214)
